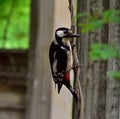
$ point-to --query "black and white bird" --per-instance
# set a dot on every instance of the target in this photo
(61, 59)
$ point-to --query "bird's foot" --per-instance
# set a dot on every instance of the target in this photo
(75, 66)
(76, 97)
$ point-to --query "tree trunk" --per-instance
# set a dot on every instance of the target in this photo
(101, 95)
(113, 86)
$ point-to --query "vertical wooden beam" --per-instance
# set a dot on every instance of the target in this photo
(39, 78)
(61, 105)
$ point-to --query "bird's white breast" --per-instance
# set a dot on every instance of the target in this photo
(69, 60)
(69, 53)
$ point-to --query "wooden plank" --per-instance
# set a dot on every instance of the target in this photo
(12, 99)
(7, 114)
(12, 102)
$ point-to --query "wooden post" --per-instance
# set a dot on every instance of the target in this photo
(39, 78)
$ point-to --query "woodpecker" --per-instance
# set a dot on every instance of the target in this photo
(61, 59)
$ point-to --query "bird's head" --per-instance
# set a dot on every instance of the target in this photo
(64, 33)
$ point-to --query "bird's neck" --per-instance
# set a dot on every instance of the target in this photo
(62, 41)
(66, 41)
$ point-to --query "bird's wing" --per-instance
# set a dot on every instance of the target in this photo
(58, 61)
(59, 65)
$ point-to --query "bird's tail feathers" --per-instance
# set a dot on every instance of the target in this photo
(55, 86)
(59, 87)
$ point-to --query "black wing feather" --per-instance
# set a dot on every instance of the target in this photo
(58, 54)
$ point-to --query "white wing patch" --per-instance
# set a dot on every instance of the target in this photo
(63, 48)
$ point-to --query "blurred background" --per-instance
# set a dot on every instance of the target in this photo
(21, 29)
(14, 45)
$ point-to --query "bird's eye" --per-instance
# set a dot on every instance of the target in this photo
(65, 32)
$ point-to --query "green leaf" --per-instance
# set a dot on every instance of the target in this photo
(17, 33)
(114, 74)
(111, 16)
(102, 51)
(80, 15)
(95, 22)
(94, 25)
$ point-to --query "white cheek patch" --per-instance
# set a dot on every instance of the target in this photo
(60, 33)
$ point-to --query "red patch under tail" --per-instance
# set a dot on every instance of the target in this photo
(67, 76)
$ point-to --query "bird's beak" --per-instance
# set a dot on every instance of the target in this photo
(71, 34)
(74, 35)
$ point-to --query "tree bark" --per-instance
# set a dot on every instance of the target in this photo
(101, 95)
(113, 86)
